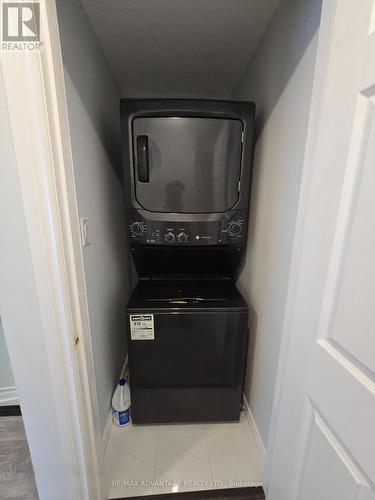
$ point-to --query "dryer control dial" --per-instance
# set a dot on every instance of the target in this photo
(182, 237)
(234, 228)
(170, 237)
(137, 228)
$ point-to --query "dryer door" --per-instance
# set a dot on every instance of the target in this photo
(187, 164)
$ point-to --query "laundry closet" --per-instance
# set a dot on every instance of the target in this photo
(188, 124)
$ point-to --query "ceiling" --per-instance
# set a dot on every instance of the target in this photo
(196, 48)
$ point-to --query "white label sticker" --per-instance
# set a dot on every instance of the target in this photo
(142, 327)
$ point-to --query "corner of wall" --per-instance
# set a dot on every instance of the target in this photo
(278, 78)
(94, 122)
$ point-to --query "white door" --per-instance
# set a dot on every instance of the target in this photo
(323, 441)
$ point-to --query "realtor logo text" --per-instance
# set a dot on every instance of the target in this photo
(20, 26)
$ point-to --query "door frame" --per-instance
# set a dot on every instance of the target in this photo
(35, 94)
(39, 119)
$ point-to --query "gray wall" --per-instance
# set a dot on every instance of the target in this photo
(279, 79)
(6, 374)
(179, 48)
(93, 109)
(7, 384)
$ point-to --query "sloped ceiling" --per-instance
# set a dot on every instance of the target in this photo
(196, 48)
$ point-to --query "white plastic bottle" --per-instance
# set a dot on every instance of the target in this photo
(121, 404)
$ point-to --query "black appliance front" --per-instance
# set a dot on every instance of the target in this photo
(198, 263)
(187, 343)
(187, 168)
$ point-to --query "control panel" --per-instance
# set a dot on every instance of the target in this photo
(228, 229)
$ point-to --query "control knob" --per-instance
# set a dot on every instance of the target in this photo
(182, 237)
(234, 228)
(169, 237)
(137, 228)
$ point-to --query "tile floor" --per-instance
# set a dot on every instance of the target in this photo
(142, 460)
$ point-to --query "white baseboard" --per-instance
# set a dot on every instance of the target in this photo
(8, 396)
(255, 431)
(108, 425)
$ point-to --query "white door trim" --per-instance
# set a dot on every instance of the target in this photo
(322, 57)
(35, 94)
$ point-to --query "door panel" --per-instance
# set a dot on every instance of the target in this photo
(194, 164)
(327, 404)
(316, 475)
(354, 283)
(345, 396)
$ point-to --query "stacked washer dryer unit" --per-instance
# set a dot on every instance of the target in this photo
(187, 178)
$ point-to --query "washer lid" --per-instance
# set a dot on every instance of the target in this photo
(182, 295)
